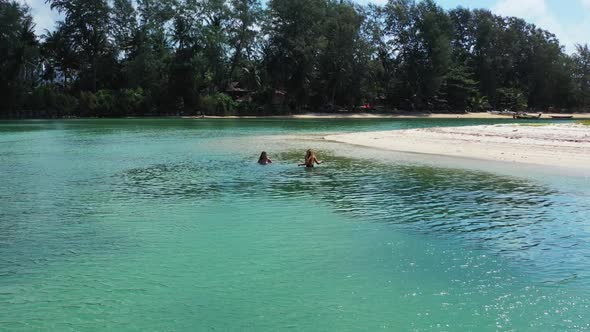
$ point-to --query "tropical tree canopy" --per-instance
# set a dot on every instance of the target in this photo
(147, 57)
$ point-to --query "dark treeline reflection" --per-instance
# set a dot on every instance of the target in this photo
(140, 57)
(511, 216)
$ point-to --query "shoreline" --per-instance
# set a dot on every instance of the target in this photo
(576, 116)
(565, 146)
(315, 116)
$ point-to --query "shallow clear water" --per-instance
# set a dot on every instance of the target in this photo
(171, 225)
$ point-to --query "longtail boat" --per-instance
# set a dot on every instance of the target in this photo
(527, 116)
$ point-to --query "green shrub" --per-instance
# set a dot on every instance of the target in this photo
(102, 103)
(39, 98)
(65, 104)
(130, 101)
(218, 104)
(88, 103)
(247, 108)
(478, 103)
(512, 99)
(46, 98)
(105, 103)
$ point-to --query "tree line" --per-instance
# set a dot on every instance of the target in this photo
(224, 57)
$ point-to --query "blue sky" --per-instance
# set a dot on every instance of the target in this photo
(568, 19)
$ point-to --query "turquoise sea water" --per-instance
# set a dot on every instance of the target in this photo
(170, 225)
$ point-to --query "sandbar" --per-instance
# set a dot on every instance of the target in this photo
(561, 145)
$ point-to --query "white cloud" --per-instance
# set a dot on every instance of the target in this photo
(43, 16)
(585, 3)
(537, 12)
(530, 8)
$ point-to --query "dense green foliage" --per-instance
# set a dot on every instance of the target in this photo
(222, 57)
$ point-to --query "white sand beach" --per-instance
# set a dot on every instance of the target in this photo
(562, 145)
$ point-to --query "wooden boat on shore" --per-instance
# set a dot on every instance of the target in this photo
(527, 116)
(562, 117)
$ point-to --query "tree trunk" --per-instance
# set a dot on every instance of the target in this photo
(238, 54)
(94, 74)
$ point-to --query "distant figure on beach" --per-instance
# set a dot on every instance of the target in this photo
(310, 159)
(264, 159)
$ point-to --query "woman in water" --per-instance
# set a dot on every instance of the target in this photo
(264, 159)
(310, 159)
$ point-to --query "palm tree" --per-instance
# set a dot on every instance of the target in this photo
(59, 53)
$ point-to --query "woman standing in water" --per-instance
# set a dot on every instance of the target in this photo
(310, 159)
(264, 159)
